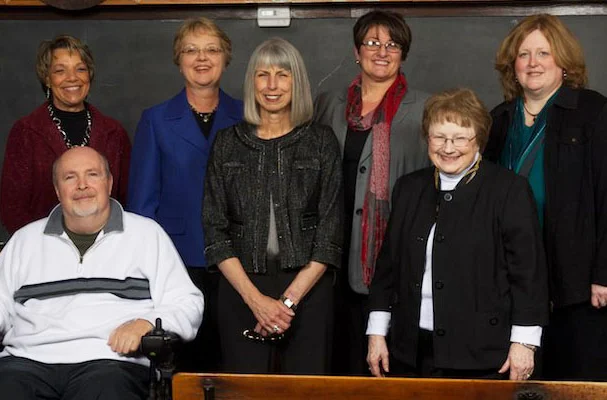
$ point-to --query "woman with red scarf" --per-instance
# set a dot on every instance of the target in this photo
(377, 121)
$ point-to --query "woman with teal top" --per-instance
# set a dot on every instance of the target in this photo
(553, 131)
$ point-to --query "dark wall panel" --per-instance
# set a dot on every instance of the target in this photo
(135, 71)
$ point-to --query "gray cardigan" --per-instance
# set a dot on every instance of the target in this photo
(408, 153)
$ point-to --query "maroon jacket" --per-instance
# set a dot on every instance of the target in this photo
(34, 143)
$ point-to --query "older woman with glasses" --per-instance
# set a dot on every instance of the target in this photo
(272, 215)
(170, 154)
(460, 282)
(65, 70)
(377, 123)
(553, 131)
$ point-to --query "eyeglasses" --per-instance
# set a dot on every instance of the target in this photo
(459, 141)
(375, 45)
(211, 51)
(252, 335)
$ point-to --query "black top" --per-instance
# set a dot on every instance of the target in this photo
(73, 123)
(488, 267)
(353, 147)
(205, 122)
(575, 166)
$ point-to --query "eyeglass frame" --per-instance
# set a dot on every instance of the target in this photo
(446, 139)
(257, 337)
(211, 51)
(376, 45)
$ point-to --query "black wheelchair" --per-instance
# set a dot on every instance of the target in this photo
(160, 347)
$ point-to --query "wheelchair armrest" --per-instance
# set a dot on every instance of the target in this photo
(159, 345)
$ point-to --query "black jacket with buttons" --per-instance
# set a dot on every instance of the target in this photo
(302, 173)
(575, 168)
(488, 269)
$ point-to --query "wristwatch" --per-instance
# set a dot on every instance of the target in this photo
(531, 347)
(288, 302)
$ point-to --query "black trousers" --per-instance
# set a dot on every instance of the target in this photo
(350, 343)
(24, 379)
(306, 347)
(575, 344)
(203, 353)
(426, 368)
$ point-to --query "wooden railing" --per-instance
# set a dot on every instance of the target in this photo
(274, 387)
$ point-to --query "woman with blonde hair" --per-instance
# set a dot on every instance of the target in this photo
(170, 154)
(553, 131)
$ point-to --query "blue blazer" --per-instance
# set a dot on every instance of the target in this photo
(168, 166)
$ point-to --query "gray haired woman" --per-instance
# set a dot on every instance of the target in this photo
(272, 215)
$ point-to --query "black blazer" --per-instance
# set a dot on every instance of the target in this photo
(488, 267)
(575, 165)
(302, 172)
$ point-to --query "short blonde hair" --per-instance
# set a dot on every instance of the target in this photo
(461, 107)
(44, 58)
(280, 53)
(566, 49)
(197, 25)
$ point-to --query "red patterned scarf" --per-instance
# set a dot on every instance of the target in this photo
(376, 208)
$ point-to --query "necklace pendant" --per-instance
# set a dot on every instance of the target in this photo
(533, 116)
(206, 117)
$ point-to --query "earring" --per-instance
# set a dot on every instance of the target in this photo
(48, 93)
(564, 74)
(357, 61)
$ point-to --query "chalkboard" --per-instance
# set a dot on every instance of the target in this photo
(135, 69)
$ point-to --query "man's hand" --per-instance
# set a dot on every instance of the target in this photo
(127, 337)
(598, 295)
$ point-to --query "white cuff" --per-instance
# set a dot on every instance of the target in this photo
(379, 323)
(526, 334)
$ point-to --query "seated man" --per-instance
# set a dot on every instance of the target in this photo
(80, 288)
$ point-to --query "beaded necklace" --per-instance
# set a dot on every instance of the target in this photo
(206, 117)
(68, 143)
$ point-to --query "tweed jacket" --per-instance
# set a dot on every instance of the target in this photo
(168, 167)
(408, 153)
(33, 144)
(488, 267)
(575, 165)
(300, 172)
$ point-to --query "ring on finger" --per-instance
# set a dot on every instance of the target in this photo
(275, 328)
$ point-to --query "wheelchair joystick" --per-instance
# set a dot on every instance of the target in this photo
(159, 346)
